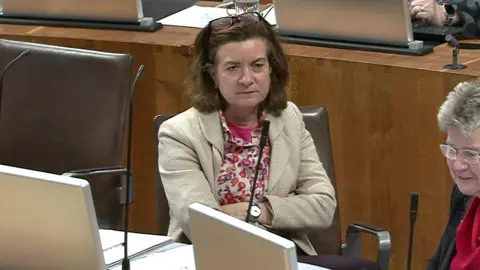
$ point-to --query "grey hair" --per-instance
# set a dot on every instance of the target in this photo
(461, 109)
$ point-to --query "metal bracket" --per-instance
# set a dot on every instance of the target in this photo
(415, 45)
(146, 21)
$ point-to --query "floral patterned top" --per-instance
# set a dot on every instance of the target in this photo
(239, 160)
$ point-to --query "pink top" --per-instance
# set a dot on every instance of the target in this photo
(239, 161)
(241, 132)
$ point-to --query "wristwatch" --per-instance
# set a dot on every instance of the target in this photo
(450, 12)
(255, 212)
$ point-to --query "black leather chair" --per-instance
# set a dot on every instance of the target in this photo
(328, 242)
(65, 109)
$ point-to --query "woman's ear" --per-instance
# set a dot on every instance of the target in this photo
(214, 77)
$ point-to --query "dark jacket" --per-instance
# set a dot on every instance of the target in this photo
(446, 250)
(469, 11)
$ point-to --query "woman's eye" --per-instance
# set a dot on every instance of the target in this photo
(470, 154)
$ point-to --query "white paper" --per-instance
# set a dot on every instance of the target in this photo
(179, 258)
(199, 17)
(270, 16)
(195, 16)
(110, 238)
(112, 243)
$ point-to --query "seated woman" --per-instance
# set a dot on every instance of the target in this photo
(209, 152)
(459, 117)
(465, 13)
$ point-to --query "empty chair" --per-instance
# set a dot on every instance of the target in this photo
(65, 109)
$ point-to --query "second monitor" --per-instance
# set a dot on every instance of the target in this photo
(376, 25)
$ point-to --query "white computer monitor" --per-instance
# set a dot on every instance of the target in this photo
(224, 242)
(384, 22)
(48, 221)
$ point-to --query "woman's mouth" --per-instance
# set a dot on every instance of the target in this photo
(465, 178)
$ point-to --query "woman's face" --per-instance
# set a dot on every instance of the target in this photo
(242, 73)
(465, 174)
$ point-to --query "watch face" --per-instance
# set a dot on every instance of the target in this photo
(255, 211)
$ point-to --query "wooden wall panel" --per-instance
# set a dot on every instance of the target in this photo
(386, 145)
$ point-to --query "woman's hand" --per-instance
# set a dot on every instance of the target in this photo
(428, 10)
(239, 210)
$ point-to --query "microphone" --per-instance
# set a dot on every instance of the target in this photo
(413, 217)
(5, 69)
(453, 41)
(456, 49)
(263, 143)
(126, 260)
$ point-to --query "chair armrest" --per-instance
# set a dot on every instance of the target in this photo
(95, 171)
(353, 246)
(109, 171)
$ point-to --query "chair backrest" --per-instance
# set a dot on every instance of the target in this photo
(326, 241)
(65, 109)
(163, 211)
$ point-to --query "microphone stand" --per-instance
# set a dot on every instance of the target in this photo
(263, 142)
(120, 170)
(5, 69)
(126, 259)
(128, 171)
(413, 218)
(455, 51)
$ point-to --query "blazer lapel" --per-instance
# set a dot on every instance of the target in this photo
(212, 129)
(280, 151)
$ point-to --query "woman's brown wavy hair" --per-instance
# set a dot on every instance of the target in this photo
(205, 96)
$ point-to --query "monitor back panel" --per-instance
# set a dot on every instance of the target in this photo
(235, 244)
(93, 10)
(47, 224)
(370, 21)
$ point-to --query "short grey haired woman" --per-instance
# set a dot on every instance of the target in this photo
(459, 118)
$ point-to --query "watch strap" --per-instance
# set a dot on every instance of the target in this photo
(449, 11)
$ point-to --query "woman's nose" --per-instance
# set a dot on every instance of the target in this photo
(246, 77)
(459, 163)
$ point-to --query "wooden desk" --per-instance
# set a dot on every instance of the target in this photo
(382, 111)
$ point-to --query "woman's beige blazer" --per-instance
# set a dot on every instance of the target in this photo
(191, 146)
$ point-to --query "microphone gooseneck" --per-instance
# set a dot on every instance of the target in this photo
(456, 50)
(126, 260)
(413, 218)
(5, 69)
(453, 41)
(263, 143)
